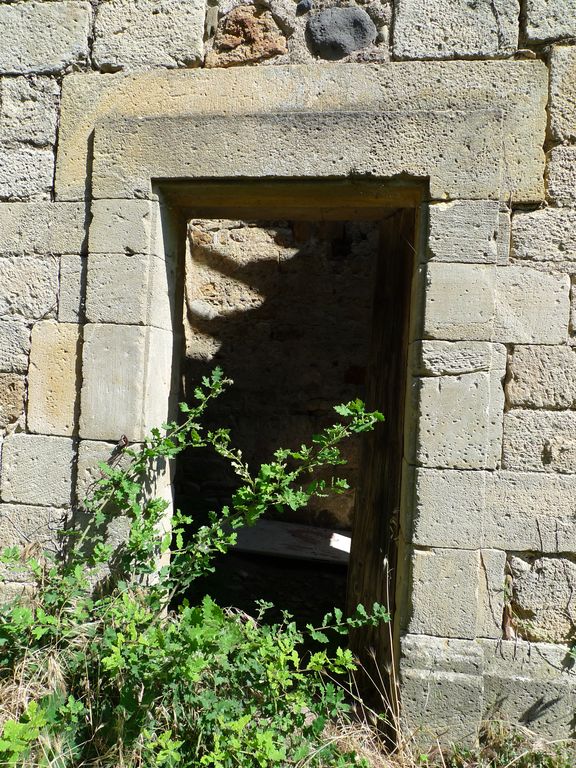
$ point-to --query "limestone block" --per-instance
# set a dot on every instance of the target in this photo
(563, 92)
(144, 33)
(90, 454)
(122, 226)
(70, 296)
(43, 37)
(29, 286)
(26, 173)
(55, 358)
(12, 391)
(532, 307)
(540, 441)
(542, 377)
(545, 235)
(546, 20)
(457, 421)
(491, 593)
(441, 690)
(14, 346)
(22, 524)
(463, 231)
(440, 29)
(459, 301)
(29, 110)
(454, 358)
(561, 175)
(501, 510)
(519, 89)
(444, 587)
(504, 231)
(127, 378)
(37, 469)
(41, 227)
(14, 590)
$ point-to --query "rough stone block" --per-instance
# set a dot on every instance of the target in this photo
(504, 232)
(43, 37)
(542, 377)
(457, 421)
(454, 358)
(55, 358)
(246, 34)
(12, 391)
(459, 301)
(127, 378)
(22, 524)
(29, 110)
(14, 346)
(90, 454)
(14, 590)
(546, 20)
(563, 92)
(545, 235)
(561, 175)
(441, 578)
(518, 511)
(37, 469)
(141, 33)
(540, 441)
(70, 296)
(41, 228)
(130, 290)
(463, 231)
(29, 287)
(491, 593)
(532, 307)
(440, 29)
(26, 173)
(122, 226)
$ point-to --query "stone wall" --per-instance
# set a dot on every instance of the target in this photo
(89, 116)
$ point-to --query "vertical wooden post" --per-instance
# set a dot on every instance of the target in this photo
(372, 570)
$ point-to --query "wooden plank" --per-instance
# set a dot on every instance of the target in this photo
(290, 540)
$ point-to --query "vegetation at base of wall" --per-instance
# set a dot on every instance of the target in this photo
(97, 667)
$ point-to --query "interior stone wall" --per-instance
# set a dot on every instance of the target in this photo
(488, 516)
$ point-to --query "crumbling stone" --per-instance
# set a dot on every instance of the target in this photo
(549, 20)
(14, 346)
(542, 441)
(563, 92)
(561, 174)
(29, 110)
(246, 35)
(548, 234)
(29, 286)
(12, 389)
(542, 377)
(336, 32)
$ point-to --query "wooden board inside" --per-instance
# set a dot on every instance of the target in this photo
(297, 542)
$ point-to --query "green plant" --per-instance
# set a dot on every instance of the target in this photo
(96, 667)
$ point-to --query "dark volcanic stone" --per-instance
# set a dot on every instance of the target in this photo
(336, 32)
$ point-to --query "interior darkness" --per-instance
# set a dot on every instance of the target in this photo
(285, 308)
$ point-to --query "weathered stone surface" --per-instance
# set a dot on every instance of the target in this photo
(53, 378)
(519, 89)
(491, 593)
(542, 597)
(521, 511)
(29, 286)
(457, 421)
(37, 469)
(26, 173)
(561, 175)
(22, 524)
(439, 29)
(532, 307)
(70, 296)
(335, 32)
(12, 391)
(90, 454)
(41, 227)
(29, 110)
(14, 590)
(542, 377)
(121, 226)
(546, 20)
(540, 441)
(453, 358)
(545, 235)
(459, 301)
(127, 381)
(504, 232)
(43, 37)
(14, 346)
(442, 577)
(563, 92)
(246, 35)
(463, 231)
(146, 33)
